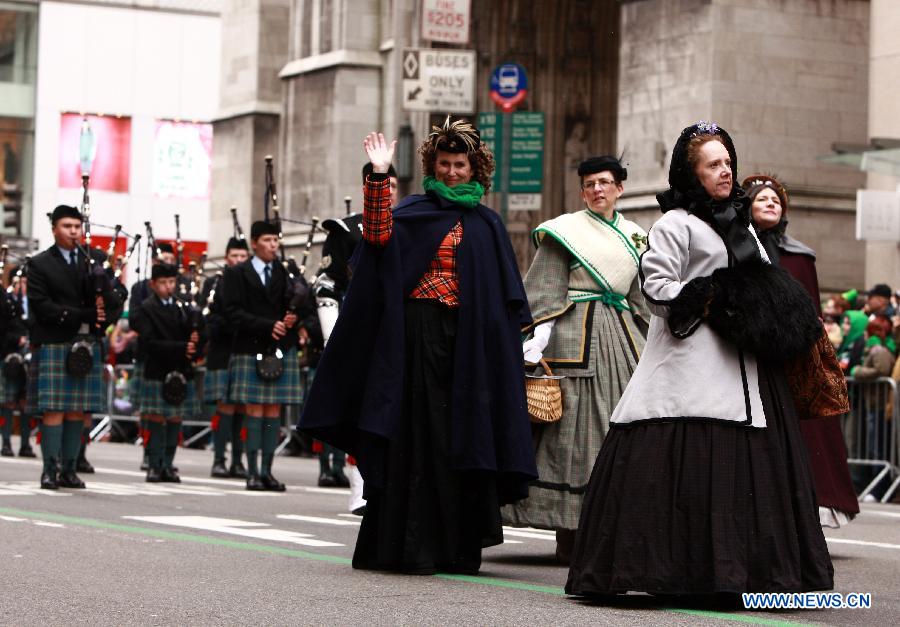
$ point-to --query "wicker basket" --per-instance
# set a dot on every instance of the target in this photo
(544, 396)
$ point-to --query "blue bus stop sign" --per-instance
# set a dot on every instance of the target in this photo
(509, 85)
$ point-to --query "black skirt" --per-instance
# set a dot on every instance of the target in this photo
(428, 517)
(703, 508)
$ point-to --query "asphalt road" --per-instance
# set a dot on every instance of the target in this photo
(208, 552)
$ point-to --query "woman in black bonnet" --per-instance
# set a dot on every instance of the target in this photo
(702, 485)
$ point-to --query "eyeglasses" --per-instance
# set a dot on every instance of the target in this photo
(597, 183)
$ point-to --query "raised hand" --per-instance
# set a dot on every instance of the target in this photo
(380, 153)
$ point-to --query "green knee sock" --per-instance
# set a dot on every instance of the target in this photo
(269, 442)
(173, 430)
(71, 444)
(6, 425)
(237, 442)
(156, 444)
(25, 431)
(221, 437)
(51, 445)
(337, 461)
(254, 428)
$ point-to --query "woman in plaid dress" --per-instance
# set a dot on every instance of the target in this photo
(590, 326)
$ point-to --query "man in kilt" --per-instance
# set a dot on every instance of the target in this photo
(256, 306)
(226, 422)
(71, 308)
(162, 253)
(169, 338)
(13, 339)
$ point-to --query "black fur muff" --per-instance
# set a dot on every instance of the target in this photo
(763, 310)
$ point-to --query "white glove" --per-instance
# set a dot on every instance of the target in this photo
(328, 315)
(533, 349)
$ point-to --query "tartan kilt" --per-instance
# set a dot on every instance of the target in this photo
(12, 391)
(215, 386)
(152, 401)
(134, 384)
(56, 390)
(245, 386)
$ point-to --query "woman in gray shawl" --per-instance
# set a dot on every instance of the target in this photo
(590, 325)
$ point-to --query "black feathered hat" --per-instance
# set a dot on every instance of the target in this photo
(163, 270)
(236, 243)
(603, 163)
(261, 227)
(368, 169)
(165, 247)
(65, 211)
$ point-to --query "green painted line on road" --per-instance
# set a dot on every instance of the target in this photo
(333, 559)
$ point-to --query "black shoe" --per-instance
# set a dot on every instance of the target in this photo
(145, 465)
(7, 451)
(49, 481)
(272, 484)
(68, 479)
(170, 475)
(26, 451)
(340, 479)
(154, 475)
(219, 471)
(255, 484)
(327, 481)
(359, 511)
(237, 470)
(84, 466)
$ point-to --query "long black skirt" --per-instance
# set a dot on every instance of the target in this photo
(703, 508)
(428, 517)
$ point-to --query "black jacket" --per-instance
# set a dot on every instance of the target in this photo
(60, 298)
(219, 331)
(12, 327)
(252, 310)
(163, 334)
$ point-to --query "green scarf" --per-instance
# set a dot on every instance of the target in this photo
(467, 195)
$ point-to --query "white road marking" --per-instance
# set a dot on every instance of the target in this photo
(880, 545)
(324, 521)
(27, 488)
(42, 523)
(13, 519)
(876, 513)
(528, 534)
(243, 528)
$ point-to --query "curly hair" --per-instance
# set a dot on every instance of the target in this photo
(459, 137)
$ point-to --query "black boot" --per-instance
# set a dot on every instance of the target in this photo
(68, 479)
(6, 450)
(170, 475)
(237, 470)
(327, 481)
(272, 484)
(49, 481)
(340, 479)
(255, 484)
(219, 471)
(26, 451)
(154, 475)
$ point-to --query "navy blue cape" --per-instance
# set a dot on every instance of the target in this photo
(356, 399)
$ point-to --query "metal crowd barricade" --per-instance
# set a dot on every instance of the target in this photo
(113, 415)
(871, 436)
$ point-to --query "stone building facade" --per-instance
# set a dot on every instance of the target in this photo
(787, 77)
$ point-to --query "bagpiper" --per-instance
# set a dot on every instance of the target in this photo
(264, 374)
(72, 306)
(170, 337)
(15, 364)
(227, 420)
(332, 280)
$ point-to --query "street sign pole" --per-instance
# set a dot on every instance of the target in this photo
(506, 141)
